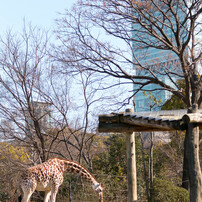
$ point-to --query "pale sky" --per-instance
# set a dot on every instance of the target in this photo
(40, 13)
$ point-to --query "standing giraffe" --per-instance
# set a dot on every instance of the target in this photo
(48, 176)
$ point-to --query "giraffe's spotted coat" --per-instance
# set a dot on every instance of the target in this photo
(48, 176)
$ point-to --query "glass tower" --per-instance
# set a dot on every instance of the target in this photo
(156, 60)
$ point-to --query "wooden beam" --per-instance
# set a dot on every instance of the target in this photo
(125, 128)
(115, 128)
(110, 117)
(151, 124)
(125, 122)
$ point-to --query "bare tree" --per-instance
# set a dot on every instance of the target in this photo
(21, 60)
(33, 114)
(85, 97)
(164, 25)
(35, 100)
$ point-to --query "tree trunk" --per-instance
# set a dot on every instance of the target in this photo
(185, 177)
(195, 177)
(70, 191)
(151, 174)
(131, 167)
(144, 166)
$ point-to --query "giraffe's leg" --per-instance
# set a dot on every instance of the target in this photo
(26, 196)
(54, 191)
(47, 196)
(28, 187)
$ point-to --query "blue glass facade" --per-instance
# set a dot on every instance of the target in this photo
(156, 61)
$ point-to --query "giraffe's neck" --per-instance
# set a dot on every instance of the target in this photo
(76, 168)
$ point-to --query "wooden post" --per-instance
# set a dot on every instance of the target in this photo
(131, 167)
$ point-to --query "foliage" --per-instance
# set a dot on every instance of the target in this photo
(11, 160)
(113, 160)
(112, 165)
(165, 191)
(13, 152)
(168, 159)
(153, 101)
(4, 196)
(175, 102)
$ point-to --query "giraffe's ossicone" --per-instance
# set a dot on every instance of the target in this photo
(48, 176)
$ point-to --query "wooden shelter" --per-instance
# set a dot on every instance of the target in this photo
(129, 122)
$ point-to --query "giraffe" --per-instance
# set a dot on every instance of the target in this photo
(48, 176)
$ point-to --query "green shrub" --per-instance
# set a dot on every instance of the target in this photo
(164, 191)
(4, 196)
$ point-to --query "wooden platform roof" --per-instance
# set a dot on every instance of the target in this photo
(165, 120)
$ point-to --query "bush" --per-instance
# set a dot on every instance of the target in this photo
(4, 196)
(164, 191)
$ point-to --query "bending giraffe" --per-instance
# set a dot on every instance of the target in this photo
(48, 176)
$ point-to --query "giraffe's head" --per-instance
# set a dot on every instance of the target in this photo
(99, 189)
